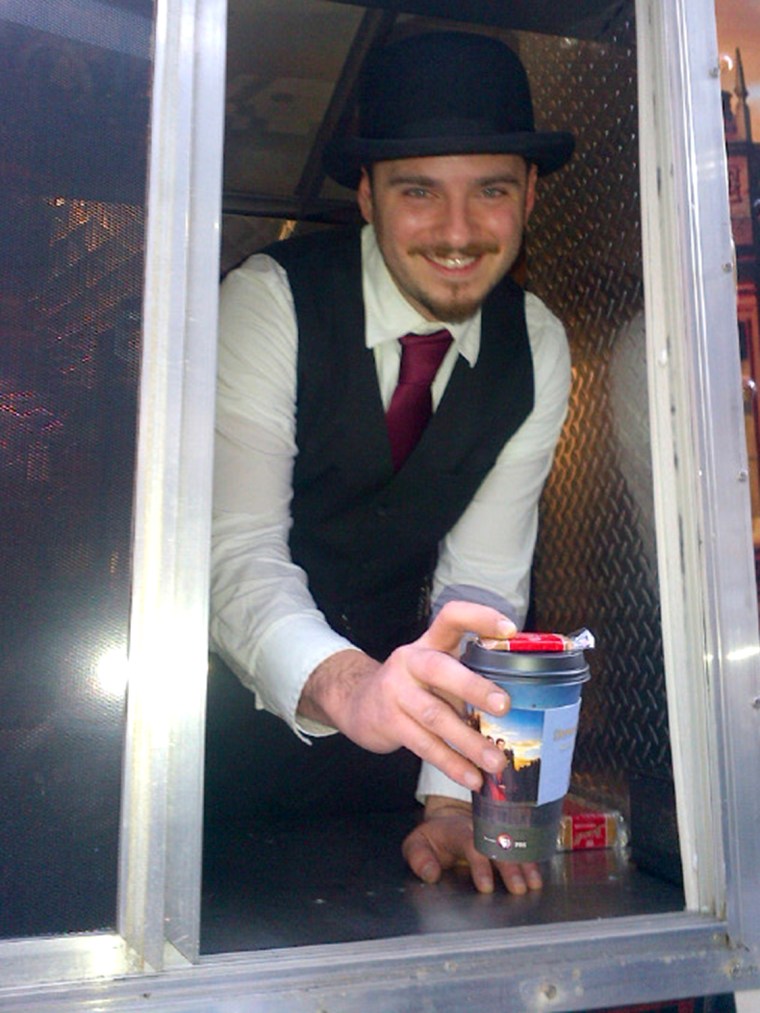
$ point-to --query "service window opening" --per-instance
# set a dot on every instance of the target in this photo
(271, 815)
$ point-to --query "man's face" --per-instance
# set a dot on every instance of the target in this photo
(449, 227)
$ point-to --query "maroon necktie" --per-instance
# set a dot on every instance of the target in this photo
(412, 405)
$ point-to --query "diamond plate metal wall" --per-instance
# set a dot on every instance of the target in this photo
(596, 563)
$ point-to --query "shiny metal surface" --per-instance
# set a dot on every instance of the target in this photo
(353, 884)
(160, 857)
(596, 562)
(72, 958)
(709, 590)
(673, 309)
(565, 967)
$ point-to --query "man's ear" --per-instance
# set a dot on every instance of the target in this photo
(530, 190)
(364, 197)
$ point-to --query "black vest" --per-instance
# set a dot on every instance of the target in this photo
(368, 538)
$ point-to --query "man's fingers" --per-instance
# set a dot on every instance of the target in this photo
(459, 617)
(436, 733)
(440, 673)
(518, 879)
(430, 746)
(481, 871)
(421, 857)
(441, 840)
(450, 678)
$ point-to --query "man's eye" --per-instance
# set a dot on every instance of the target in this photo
(417, 191)
(494, 192)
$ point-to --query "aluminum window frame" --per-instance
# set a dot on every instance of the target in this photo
(708, 590)
(707, 593)
(159, 880)
(161, 831)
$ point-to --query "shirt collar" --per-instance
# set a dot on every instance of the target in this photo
(389, 315)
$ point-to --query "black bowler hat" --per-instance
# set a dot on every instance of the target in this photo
(444, 93)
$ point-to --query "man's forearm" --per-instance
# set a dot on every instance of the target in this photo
(327, 692)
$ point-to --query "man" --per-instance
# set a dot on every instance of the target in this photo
(346, 570)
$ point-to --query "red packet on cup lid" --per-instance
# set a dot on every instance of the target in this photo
(581, 640)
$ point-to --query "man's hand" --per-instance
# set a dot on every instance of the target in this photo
(444, 839)
(416, 697)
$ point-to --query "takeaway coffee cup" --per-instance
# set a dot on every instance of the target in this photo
(516, 814)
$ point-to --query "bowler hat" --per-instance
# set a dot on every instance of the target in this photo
(444, 93)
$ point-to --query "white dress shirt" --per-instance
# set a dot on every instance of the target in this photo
(264, 623)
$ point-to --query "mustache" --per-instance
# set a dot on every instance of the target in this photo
(443, 251)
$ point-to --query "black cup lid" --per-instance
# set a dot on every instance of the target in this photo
(526, 664)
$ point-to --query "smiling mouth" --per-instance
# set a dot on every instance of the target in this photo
(456, 259)
(452, 262)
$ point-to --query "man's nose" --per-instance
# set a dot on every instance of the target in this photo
(458, 224)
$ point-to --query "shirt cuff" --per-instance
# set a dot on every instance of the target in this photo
(479, 595)
(287, 655)
(433, 781)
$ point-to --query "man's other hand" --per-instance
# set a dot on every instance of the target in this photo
(444, 839)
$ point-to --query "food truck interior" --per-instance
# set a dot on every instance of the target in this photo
(291, 71)
(73, 193)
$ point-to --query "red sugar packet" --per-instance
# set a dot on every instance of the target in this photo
(581, 640)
